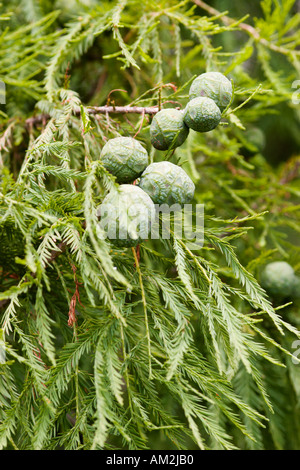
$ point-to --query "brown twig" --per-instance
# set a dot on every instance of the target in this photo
(151, 110)
(72, 320)
(138, 254)
(244, 26)
(123, 109)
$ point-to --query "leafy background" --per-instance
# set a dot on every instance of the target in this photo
(177, 349)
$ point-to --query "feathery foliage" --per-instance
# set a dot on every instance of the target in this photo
(161, 346)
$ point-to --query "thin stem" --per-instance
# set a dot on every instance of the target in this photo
(13, 443)
(140, 126)
(137, 265)
(126, 369)
(195, 260)
(247, 100)
(77, 399)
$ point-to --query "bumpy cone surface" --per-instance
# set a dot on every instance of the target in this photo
(167, 183)
(126, 215)
(125, 158)
(168, 129)
(202, 114)
(278, 279)
(213, 85)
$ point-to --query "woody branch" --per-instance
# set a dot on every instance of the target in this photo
(151, 110)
